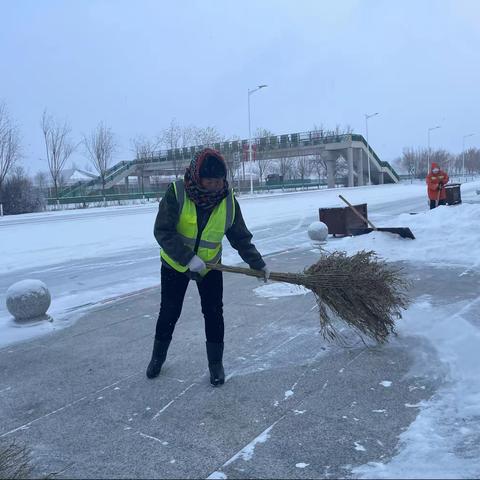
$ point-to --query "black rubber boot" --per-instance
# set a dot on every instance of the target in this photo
(215, 357)
(158, 358)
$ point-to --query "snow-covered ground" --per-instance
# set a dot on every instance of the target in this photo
(54, 244)
(37, 240)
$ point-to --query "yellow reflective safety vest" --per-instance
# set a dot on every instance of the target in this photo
(210, 242)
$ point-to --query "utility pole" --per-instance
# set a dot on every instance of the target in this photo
(250, 92)
(428, 150)
(368, 145)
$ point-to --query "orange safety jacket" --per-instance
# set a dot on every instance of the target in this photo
(433, 182)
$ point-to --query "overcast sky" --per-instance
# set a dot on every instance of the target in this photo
(137, 64)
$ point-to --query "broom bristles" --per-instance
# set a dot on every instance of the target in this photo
(361, 290)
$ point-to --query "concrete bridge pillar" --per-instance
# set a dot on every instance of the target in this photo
(359, 161)
(143, 180)
(381, 179)
(331, 173)
(350, 166)
(126, 182)
(146, 182)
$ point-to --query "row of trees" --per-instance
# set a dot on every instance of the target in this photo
(19, 193)
(99, 147)
(416, 161)
(10, 152)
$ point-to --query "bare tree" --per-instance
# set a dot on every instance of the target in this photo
(10, 151)
(319, 165)
(145, 149)
(409, 161)
(343, 130)
(40, 180)
(285, 167)
(170, 138)
(263, 164)
(99, 148)
(207, 136)
(341, 167)
(232, 159)
(472, 161)
(58, 147)
(187, 137)
(303, 166)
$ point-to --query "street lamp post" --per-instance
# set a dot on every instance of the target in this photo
(428, 150)
(368, 145)
(250, 92)
(463, 152)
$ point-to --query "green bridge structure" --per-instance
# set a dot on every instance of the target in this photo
(328, 147)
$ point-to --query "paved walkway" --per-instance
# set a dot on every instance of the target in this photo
(293, 405)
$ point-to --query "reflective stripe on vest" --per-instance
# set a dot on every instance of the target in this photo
(210, 243)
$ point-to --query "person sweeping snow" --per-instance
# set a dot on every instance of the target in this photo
(193, 217)
(436, 181)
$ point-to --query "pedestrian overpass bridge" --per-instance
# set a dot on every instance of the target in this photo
(330, 147)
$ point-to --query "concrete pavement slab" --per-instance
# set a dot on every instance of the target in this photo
(80, 400)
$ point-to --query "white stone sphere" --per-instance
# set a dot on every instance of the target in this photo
(318, 231)
(28, 299)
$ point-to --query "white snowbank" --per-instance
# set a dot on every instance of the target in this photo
(26, 286)
(444, 439)
(445, 235)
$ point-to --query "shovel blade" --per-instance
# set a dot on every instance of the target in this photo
(404, 232)
(360, 231)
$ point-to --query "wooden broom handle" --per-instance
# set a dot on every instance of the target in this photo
(357, 213)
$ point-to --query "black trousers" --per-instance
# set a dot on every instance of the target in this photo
(433, 203)
(173, 287)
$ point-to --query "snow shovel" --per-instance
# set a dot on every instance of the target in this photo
(404, 232)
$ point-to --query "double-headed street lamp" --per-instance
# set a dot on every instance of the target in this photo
(250, 92)
(463, 152)
(428, 150)
(368, 145)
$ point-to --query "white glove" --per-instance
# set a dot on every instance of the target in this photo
(196, 264)
(266, 274)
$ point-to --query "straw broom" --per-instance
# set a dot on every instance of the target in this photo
(361, 290)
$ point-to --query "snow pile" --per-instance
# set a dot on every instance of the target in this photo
(445, 235)
(275, 290)
(444, 439)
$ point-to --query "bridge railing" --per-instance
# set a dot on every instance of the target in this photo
(384, 164)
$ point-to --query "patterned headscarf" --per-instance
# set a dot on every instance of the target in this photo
(200, 196)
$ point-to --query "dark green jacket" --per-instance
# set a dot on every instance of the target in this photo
(165, 232)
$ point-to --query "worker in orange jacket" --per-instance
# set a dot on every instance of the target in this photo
(436, 181)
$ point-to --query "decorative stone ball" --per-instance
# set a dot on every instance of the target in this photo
(28, 299)
(318, 231)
